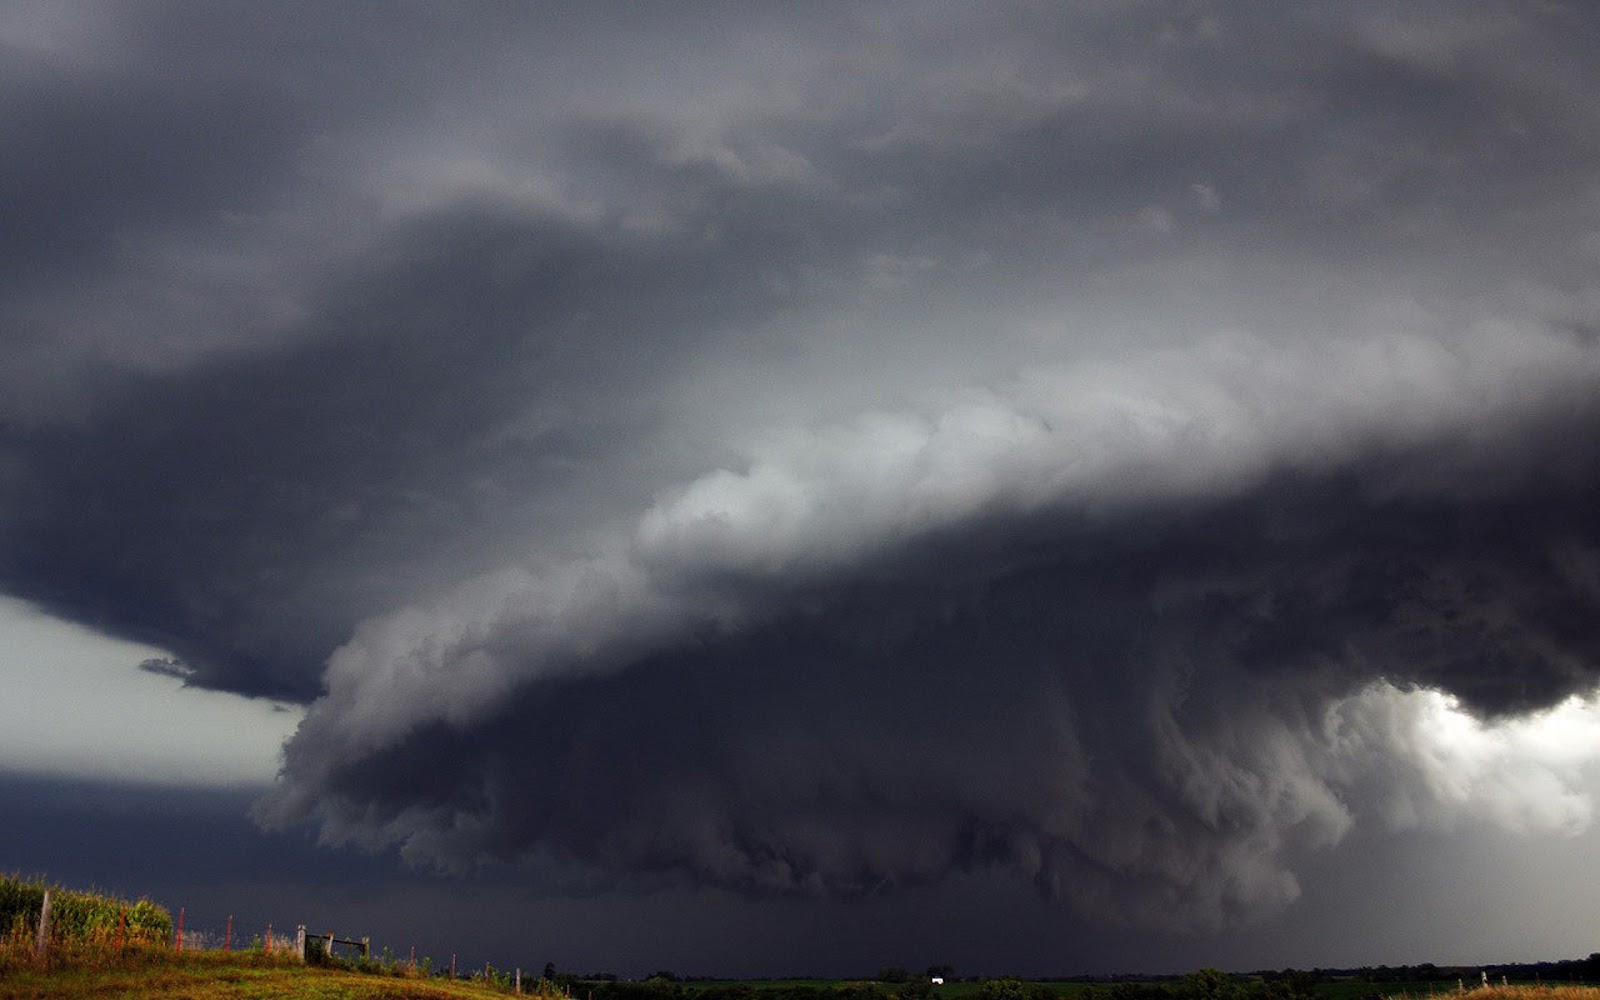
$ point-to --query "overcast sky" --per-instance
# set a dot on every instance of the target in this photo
(775, 488)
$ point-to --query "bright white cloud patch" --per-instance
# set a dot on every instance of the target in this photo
(1430, 763)
(1204, 419)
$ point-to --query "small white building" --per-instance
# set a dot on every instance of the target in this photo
(938, 980)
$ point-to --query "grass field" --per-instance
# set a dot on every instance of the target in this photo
(1512, 992)
(218, 976)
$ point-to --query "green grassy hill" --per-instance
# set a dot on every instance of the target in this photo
(238, 976)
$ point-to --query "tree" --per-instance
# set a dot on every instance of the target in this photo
(1208, 984)
(917, 988)
(1001, 989)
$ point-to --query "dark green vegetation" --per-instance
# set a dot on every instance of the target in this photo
(1368, 983)
(1207, 984)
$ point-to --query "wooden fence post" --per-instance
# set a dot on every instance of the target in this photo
(269, 939)
(179, 943)
(122, 927)
(227, 942)
(366, 947)
(44, 925)
(300, 942)
(519, 979)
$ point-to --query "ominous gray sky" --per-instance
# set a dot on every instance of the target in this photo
(1107, 480)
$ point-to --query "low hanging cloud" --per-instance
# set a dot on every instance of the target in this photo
(166, 666)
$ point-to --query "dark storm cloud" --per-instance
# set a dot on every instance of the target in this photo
(258, 506)
(822, 451)
(1151, 715)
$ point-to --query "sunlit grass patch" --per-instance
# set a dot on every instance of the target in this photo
(1513, 992)
(231, 979)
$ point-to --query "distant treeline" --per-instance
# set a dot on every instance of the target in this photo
(1574, 970)
(1205, 984)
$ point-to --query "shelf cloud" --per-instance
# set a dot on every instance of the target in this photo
(1141, 635)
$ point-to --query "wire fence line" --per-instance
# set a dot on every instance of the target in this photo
(230, 932)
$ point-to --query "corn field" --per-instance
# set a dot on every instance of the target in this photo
(78, 919)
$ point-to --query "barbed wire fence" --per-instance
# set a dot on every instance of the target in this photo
(230, 932)
(196, 932)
